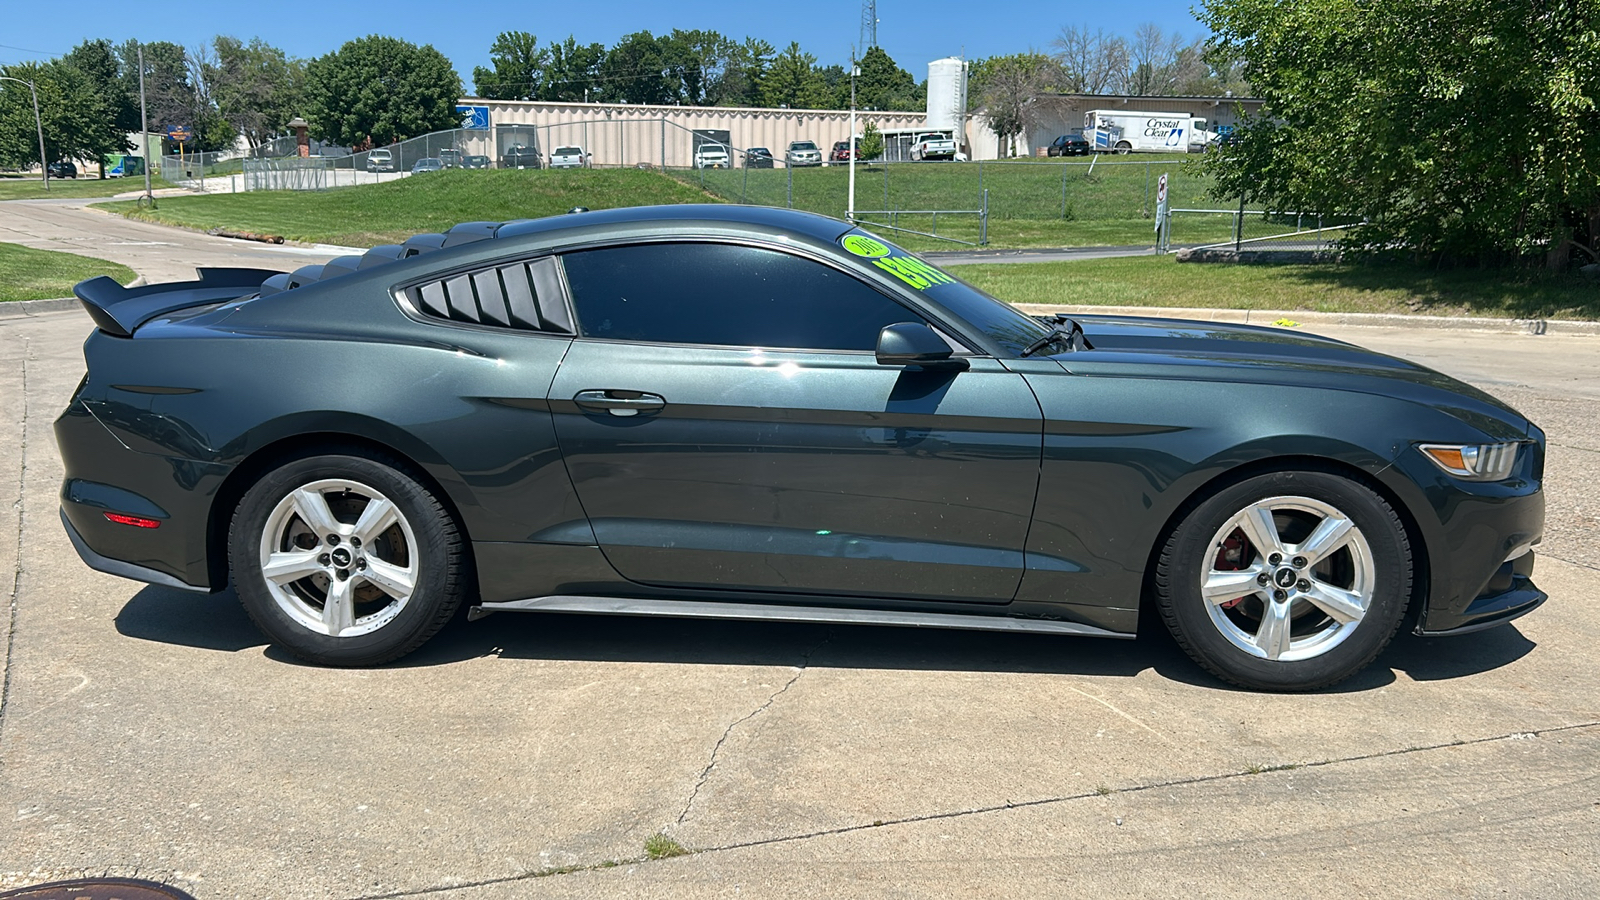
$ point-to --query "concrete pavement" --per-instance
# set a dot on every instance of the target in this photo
(151, 732)
(157, 252)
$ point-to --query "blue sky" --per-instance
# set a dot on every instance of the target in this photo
(912, 31)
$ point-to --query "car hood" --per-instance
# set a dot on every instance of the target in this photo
(1179, 348)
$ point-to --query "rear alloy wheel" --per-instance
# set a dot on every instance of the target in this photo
(1288, 581)
(345, 560)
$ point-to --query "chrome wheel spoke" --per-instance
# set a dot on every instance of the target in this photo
(287, 566)
(1341, 605)
(339, 609)
(1331, 533)
(1257, 524)
(375, 519)
(1273, 638)
(312, 508)
(392, 580)
(1220, 587)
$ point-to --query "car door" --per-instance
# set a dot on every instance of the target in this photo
(727, 426)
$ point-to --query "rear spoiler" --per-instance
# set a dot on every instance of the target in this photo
(118, 310)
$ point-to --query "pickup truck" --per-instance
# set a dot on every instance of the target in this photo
(571, 157)
(520, 156)
(933, 146)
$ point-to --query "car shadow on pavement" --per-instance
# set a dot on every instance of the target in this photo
(218, 622)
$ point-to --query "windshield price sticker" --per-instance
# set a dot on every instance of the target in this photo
(901, 265)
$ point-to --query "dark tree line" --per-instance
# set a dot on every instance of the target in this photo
(688, 68)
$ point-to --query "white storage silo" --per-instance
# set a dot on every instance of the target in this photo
(947, 95)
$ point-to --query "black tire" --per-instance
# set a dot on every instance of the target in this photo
(1203, 629)
(424, 537)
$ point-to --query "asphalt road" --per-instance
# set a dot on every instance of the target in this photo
(150, 732)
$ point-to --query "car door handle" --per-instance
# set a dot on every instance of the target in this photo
(619, 403)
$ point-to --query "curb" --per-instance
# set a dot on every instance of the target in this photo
(1308, 318)
(17, 309)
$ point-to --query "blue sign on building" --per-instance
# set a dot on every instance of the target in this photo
(475, 118)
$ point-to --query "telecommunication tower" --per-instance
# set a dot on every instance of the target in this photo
(869, 24)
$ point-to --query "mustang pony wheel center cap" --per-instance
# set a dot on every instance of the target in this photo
(341, 557)
(1285, 577)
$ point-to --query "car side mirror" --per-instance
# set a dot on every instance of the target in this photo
(915, 344)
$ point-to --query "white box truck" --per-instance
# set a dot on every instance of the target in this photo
(1123, 131)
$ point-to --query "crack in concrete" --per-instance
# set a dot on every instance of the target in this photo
(983, 810)
(1570, 562)
(705, 774)
(16, 573)
(1571, 446)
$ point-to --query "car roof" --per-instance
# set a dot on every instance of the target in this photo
(684, 217)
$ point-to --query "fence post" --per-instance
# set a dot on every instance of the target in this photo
(886, 187)
(789, 195)
(1145, 210)
(1063, 191)
(1238, 227)
(983, 221)
(744, 189)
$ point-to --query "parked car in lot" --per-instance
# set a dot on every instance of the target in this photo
(802, 153)
(746, 412)
(428, 164)
(842, 150)
(380, 160)
(933, 146)
(451, 158)
(711, 155)
(758, 158)
(63, 169)
(521, 156)
(1070, 144)
(474, 162)
(569, 157)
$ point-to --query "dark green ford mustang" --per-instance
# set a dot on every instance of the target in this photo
(753, 413)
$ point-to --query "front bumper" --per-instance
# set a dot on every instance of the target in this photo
(1510, 594)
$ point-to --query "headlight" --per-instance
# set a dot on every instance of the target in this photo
(1473, 462)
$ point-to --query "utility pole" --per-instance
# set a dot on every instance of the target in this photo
(38, 123)
(855, 70)
(144, 130)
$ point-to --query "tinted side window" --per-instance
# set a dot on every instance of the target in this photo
(725, 295)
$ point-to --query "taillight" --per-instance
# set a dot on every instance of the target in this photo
(135, 521)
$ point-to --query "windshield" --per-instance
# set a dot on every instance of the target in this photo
(1001, 322)
(802, 145)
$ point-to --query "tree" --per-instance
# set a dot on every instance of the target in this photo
(739, 83)
(882, 84)
(380, 89)
(97, 61)
(1091, 63)
(256, 87)
(1006, 88)
(169, 97)
(72, 113)
(871, 146)
(521, 68)
(792, 81)
(1462, 132)
(573, 71)
(1152, 61)
(635, 71)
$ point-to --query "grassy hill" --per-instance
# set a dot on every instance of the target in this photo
(389, 212)
(30, 274)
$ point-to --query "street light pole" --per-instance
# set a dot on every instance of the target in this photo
(850, 214)
(144, 131)
(38, 123)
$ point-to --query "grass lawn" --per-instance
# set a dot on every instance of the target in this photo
(20, 188)
(1163, 281)
(392, 211)
(28, 274)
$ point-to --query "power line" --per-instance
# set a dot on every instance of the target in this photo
(34, 52)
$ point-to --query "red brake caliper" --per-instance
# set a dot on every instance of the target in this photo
(1233, 555)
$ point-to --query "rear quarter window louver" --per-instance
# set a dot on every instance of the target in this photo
(521, 295)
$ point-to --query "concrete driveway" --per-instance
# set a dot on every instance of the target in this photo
(151, 732)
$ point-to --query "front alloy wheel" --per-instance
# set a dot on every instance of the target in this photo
(1286, 581)
(346, 560)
